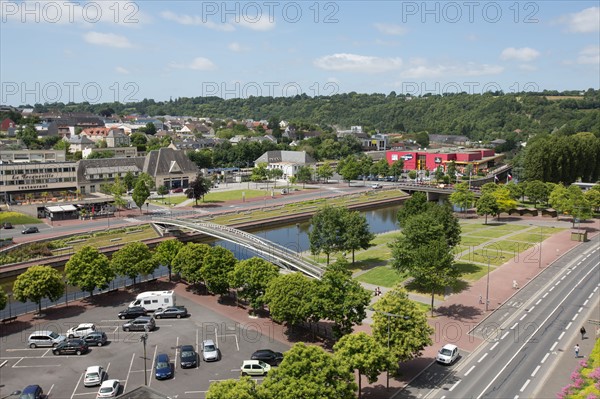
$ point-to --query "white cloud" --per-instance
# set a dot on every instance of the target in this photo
(390, 29)
(589, 55)
(197, 64)
(444, 71)
(524, 54)
(528, 67)
(262, 24)
(237, 47)
(196, 20)
(107, 39)
(357, 63)
(584, 21)
(122, 70)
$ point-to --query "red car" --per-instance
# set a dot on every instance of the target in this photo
(177, 190)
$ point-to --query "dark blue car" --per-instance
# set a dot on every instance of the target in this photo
(162, 368)
(32, 392)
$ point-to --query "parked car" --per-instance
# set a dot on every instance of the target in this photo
(109, 389)
(171, 312)
(30, 230)
(162, 367)
(7, 225)
(71, 347)
(80, 330)
(448, 354)
(255, 367)
(188, 357)
(32, 392)
(97, 338)
(45, 338)
(210, 352)
(268, 356)
(177, 190)
(376, 186)
(132, 312)
(94, 375)
(142, 323)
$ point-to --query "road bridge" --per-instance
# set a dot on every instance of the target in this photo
(272, 252)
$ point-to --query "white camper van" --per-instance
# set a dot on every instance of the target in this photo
(152, 300)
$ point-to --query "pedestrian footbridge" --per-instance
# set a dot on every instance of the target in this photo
(268, 250)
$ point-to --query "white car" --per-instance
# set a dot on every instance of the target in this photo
(448, 354)
(109, 389)
(80, 330)
(210, 352)
(255, 367)
(94, 375)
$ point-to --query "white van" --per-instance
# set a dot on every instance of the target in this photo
(152, 300)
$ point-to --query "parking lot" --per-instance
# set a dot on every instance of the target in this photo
(123, 357)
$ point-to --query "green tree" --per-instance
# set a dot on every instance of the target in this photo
(593, 197)
(129, 180)
(451, 171)
(133, 259)
(486, 205)
(118, 189)
(504, 200)
(422, 138)
(162, 191)
(516, 190)
(462, 196)
(415, 205)
(412, 174)
(140, 194)
(251, 277)
(341, 299)
(146, 178)
(198, 188)
(409, 332)
(536, 191)
(89, 269)
(357, 234)
(3, 298)
(189, 260)
(274, 174)
(37, 283)
(304, 175)
(165, 253)
(325, 172)
(259, 172)
(215, 269)
(290, 298)
(349, 168)
(244, 388)
(489, 188)
(327, 232)
(308, 372)
(359, 351)
(397, 168)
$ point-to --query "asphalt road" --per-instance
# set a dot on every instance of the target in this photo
(523, 337)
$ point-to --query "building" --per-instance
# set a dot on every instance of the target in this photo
(170, 168)
(23, 182)
(288, 161)
(80, 143)
(480, 159)
(117, 152)
(31, 156)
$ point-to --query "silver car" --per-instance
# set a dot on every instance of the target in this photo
(210, 352)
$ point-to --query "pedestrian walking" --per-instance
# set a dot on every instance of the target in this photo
(582, 331)
(480, 299)
(576, 350)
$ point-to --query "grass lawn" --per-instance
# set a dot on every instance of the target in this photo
(470, 227)
(470, 271)
(532, 237)
(383, 276)
(469, 241)
(507, 248)
(491, 233)
(17, 218)
(496, 259)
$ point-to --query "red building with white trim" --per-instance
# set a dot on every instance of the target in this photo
(481, 159)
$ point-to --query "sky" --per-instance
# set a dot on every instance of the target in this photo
(103, 51)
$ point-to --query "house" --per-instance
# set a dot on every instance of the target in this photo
(288, 161)
(116, 152)
(7, 124)
(96, 134)
(46, 129)
(117, 138)
(80, 143)
(449, 139)
(497, 142)
(170, 168)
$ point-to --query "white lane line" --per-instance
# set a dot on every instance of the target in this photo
(591, 295)
(553, 346)
(50, 390)
(77, 385)
(504, 335)
(531, 308)
(535, 371)
(586, 301)
(514, 325)
(152, 367)
(561, 335)
(568, 325)
(495, 345)
(551, 288)
(516, 397)
(128, 372)
(595, 289)
(558, 306)
(545, 357)
(545, 295)
(538, 301)
(3, 363)
(525, 385)
(454, 386)
(574, 317)
(469, 372)
(482, 357)
(562, 278)
(176, 351)
(569, 272)
(580, 309)
(522, 317)
(558, 282)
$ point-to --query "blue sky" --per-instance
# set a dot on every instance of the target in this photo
(130, 50)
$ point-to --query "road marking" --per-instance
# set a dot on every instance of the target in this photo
(152, 366)
(48, 393)
(558, 282)
(545, 357)
(580, 309)
(595, 289)
(28, 349)
(545, 295)
(535, 331)
(129, 372)
(531, 308)
(469, 372)
(454, 386)
(574, 317)
(568, 325)
(516, 397)
(561, 335)
(522, 317)
(504, 335)
(495, 345)
(516, 324)
(3, 363)
(77, 385)
(551, 288)
(525, 385)
(569, 272)
(553, 346)
(176, 349)
(562, 278)
(591, 295)
(482, 357)
(535, 371)
(586, 301)
(538, 301)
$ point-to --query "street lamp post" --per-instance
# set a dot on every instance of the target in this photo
(298, 237)
(487, 286)
(144, 338)
(9, 305)
(540, 260)
(147, 205)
